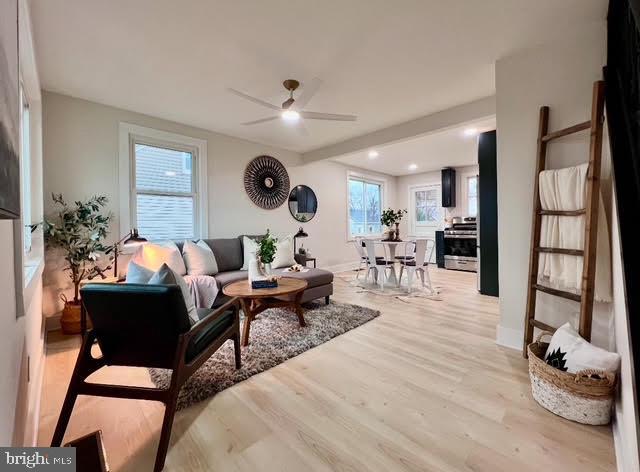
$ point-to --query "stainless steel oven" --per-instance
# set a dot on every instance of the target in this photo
(461, 247)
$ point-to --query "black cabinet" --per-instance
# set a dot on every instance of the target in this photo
(440, 249)
(448, 187)
(488, 214)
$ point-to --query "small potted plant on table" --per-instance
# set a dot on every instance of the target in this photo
(392, 217)
(79, 231)
(267, 252)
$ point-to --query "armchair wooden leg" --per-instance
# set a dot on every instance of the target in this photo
(165, 433)
(65, 415)
(326, 300)
(80, 372)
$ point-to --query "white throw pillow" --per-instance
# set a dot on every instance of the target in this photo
(166, 276)
(152, 256)
(284, 253)
(568, 351)
(250, 247)
(199, 258)
(136, 274)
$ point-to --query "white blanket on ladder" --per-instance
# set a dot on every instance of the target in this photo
(565, 189)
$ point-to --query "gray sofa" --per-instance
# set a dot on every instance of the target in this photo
(229, 255)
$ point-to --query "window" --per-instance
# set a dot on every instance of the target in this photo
(472, 195)
(426, 209)
(365, 207)
(165, 176)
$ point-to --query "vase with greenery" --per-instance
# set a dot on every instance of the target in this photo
(79, 230)
(267, 251)
(391, 217)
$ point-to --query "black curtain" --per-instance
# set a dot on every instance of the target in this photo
(622, 76)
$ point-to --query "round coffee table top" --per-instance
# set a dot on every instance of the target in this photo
(242, 288)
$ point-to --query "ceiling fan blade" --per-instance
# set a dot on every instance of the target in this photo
(254, 99)
(308, 91)
(312, 115)
(262, 120)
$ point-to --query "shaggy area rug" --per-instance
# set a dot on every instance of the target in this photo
(275, 337)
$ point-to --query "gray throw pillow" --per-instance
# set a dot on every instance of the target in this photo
(137, 274)
(166, 276)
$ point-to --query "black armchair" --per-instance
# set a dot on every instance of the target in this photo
(146, 326)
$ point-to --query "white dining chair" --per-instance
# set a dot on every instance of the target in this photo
(358, 242)
(362, 255)
(374, 263)
(420, 265)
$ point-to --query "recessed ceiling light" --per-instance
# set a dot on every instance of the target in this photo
(471, 132)
(170, 173)
(373, 154)
(413, 166)
(290, 115)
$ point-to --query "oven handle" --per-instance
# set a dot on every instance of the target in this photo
(460, 236)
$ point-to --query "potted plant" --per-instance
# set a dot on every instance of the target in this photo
(392, 217)
(267, 252)
(79, 230)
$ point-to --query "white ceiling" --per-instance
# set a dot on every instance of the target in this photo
(446, 148)
(386, 61)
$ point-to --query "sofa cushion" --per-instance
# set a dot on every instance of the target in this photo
(314, 277)
(225, 278)
(203, 339)
(199, 258)
(228, 253)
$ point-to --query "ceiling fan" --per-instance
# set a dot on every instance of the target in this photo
(292, 108)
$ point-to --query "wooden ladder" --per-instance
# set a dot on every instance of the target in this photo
(585, 297)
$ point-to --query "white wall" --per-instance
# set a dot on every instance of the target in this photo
(406, 181)
(561, 76)
(22, 339)
(81, 159)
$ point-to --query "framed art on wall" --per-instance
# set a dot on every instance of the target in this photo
(9, 112)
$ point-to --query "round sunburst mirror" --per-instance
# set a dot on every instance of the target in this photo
(266, 182)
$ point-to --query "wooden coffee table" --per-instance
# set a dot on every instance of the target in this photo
(255, 301)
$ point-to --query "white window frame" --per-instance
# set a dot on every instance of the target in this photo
(129, 135)
(426, 229)
(383, 202)
(466, 193)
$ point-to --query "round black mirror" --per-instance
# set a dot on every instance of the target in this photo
(303, 203)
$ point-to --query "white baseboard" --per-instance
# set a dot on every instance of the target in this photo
(509, 337)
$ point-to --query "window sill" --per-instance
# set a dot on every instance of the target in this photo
(33, 269)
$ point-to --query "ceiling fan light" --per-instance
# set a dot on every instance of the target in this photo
(290, 115)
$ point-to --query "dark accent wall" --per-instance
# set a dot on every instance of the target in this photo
(488, 213)
(622, 88)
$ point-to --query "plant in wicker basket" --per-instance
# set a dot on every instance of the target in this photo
(79, 230)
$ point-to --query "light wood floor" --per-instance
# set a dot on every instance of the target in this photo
(421, 388)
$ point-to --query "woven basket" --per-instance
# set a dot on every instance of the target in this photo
(585, 397)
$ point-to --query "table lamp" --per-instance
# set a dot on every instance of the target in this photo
(129, 239)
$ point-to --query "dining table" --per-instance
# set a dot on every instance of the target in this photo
(392, 247)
